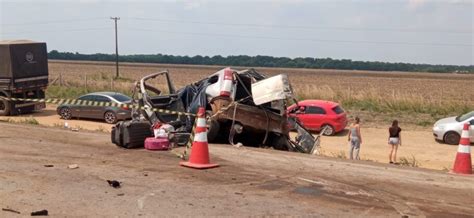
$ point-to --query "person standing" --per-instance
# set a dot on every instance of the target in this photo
(355, 139)
(394, 140)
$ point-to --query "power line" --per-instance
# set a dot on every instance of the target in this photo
(453, 31)
(303, 39)
(54, 21)
(247, 36)
(58, 30)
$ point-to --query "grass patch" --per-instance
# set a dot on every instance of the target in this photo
(124, 79)
(340, 155)
(64, 92)
(26, 120)
(424, 123)
(409, 161)
(101, 129)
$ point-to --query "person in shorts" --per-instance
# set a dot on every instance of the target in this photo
(394, 140)
(355, 139)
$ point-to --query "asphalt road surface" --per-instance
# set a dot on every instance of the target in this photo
(256, 182)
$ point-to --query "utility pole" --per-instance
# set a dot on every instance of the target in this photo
(116, 46)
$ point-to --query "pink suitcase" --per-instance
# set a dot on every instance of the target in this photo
(152, 143)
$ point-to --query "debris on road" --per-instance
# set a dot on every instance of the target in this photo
(73, 166)
(114, 183)
(157, 144)
(131, 133)
(141, 201)
(40, 213)
(48, 165)
(10, 210)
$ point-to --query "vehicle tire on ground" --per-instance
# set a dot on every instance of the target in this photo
(4, 108)
(452, 138)
(110, 117)
(329, 130)
(213, 128)
(280, 142)
(65, 113)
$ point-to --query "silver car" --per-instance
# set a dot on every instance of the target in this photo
(449, 129)
(108, 114)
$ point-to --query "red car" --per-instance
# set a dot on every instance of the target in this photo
(316, 114)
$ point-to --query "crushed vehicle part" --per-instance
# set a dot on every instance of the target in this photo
(231, 113)
(271, 89)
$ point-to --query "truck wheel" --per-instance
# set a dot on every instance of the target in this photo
(110, 117)
(280, 142)
(213, 128)
(4, 108)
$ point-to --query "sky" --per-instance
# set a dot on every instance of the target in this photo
(411, 31)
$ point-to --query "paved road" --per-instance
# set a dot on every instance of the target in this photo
(249, 181)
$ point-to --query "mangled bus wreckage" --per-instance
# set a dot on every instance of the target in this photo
(241, 107)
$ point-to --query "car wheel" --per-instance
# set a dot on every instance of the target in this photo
(213, 127)
(452, 138)
(329, 129)
(4, 108)
(110, 117)
(65, 113)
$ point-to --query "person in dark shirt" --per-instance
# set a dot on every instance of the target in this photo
(394, 140)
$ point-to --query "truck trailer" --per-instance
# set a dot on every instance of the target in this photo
(23, 74)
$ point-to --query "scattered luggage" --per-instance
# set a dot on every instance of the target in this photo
(131, 133)
(160, 143)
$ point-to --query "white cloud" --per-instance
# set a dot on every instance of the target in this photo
(194, 4)
(415, 4)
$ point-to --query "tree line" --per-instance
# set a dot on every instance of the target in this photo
(265, 61)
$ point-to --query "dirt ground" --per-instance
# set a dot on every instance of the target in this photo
(418, 143)
(249, 182)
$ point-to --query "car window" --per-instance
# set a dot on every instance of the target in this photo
(102, 98)
(465, 116)
(338, 110)
(314, 110)
(472, 122)
(121, 98)
(213, 79)
(87, 98)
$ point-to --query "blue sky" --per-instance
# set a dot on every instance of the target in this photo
(414, 31)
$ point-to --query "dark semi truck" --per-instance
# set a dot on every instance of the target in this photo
(23, 74)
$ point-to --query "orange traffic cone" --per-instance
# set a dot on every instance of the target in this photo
(463, 163)
(199, 157)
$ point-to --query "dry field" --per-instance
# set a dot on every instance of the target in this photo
(418, 98)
